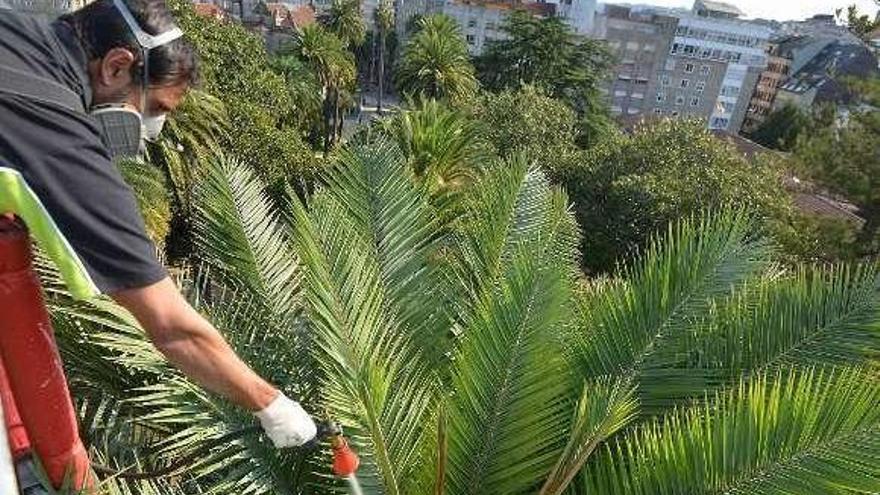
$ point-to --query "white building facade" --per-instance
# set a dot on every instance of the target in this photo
(741, 45)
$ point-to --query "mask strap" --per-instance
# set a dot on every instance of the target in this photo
(147, 42)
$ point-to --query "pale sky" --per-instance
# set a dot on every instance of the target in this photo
(776, 9)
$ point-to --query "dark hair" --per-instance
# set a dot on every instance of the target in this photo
(100, 28)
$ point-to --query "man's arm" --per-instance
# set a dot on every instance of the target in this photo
(194, 346)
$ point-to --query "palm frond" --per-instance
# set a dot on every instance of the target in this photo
(799, 432)
(813, 317)
(377, 385)
(638, 328)
(509, 412)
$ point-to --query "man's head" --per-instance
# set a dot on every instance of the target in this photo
(116, 60)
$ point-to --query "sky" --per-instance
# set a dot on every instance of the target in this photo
(781, 10)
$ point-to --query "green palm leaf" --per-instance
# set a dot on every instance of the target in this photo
(350, 244)
(801, 432)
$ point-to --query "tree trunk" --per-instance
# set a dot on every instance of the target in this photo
(328, 119)
(381, 72)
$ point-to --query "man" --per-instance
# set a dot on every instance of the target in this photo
(124, 63)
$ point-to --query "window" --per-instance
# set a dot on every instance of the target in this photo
(472, 23)
(616, 109)
(619, 93)
(705, 53)
(633, 111)
(689, 49)
(701, 86)
(638, 96)
(705, 70)
(675, 113)
(670, 64)
(490, 25)
(695, 101)
(730, 91)
(471, 39)
(632, 46)
(685, 83)
(664, 80)
(658, 111)
(689, 68)
(649, 47)
(614, 45)
(661, 97)
(679, 100)
(719, 123)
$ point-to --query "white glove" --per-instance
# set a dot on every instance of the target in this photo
(286, 423)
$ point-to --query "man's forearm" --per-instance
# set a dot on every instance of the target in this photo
(194, 346)
(204, 356)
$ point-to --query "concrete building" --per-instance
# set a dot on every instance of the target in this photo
(481, 21)
(579, 14)
(709, 40)
(640, 41)
(764, 95)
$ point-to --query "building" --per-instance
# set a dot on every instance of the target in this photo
(481, 21)
(764, 95)
(713, 65)
(640, 41)
(579, 14)
(821, 80)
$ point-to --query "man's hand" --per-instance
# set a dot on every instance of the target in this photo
(286, 423)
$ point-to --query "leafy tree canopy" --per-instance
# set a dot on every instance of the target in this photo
(629, 186)
(846, 161)
(782, 128)
(546, 53)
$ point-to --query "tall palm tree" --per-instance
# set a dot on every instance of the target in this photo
(475, 360)
(435, 62)
(328, 57)
(344, 19)
(384, 19)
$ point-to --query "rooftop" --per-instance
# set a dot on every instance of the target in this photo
(711, 8)
(824, 71)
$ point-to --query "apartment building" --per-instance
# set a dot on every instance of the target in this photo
(579, 14)
(764, 95)
(480, 21)
(640, 41)
(713, 48)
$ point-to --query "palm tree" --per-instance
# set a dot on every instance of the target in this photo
(441, 145)
(327, 56)
(344, 19)
(435, 62)
(475, 360)
(384, 19)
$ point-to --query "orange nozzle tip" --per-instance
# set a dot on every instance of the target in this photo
(345, 461)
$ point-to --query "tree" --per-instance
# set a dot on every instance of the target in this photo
(546, 53)
(629, 187)
(441, 145)
(782, 128)
(860, 25)
(435, 62)
(384, 19)
(326, 55)
(468, 361)
(344, 19)
(526, 120)
(846, 161)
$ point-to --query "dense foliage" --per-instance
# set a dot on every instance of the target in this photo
(426, 287)
(546, 53)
